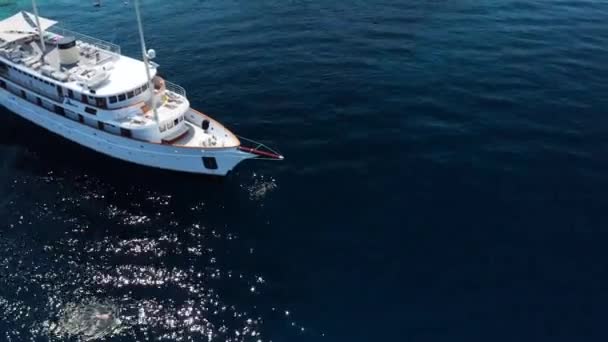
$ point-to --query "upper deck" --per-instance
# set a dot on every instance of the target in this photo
(90, 77)
(100, 70)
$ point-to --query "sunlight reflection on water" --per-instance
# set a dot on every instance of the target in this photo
(71, 270)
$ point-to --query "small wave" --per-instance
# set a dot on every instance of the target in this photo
(87, 321)
(260, 187)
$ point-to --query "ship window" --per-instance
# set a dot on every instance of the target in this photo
(137, 91)
(59, 110)
(100, 125)
(2, 84)
(125, 132)
(162, 127)
(101, 102)
(122, 97)
(23, 94)
(176, 121)
(84, 98)
(80, 118)
(130, 94)
(39, 101)
(113, 99)
(145, 87)
(71, 93)
(210, 163)
(90, 110)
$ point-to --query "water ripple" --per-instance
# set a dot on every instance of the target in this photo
(124, 283)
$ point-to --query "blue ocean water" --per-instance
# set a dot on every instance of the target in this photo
(445, 180)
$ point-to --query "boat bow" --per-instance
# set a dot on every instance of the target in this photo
(259, 150)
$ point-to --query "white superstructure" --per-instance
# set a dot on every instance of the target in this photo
(85, 90)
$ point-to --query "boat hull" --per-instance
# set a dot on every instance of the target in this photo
(162, 156)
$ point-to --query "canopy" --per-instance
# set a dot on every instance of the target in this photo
(22, 25)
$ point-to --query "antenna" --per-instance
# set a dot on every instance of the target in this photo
(35, 7)
(146, 58)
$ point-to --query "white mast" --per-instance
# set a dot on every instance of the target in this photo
(39, 27)
(146, 58)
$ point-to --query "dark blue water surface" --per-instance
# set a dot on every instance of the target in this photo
(446, 180)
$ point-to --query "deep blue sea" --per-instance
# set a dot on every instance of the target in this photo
(446, 179)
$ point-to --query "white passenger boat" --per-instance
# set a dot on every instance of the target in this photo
(85, 90)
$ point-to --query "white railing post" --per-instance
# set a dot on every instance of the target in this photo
(102, 44)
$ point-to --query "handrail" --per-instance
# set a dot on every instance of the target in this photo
(174, 88)
(101, 44)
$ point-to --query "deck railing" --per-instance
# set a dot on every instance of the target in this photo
(174, 88)
(98, 43)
